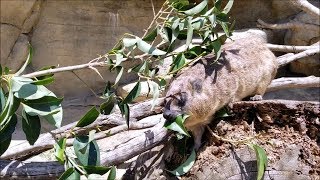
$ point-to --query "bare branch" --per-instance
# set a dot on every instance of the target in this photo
(310, 52)
(288, 48)
(289, 25)
(306, 7)
(286, 83)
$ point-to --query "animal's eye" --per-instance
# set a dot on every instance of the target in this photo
(183, 99)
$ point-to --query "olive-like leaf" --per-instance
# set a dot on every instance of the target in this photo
(119, 59)
(96, 169)
(7, 129)
(151, 36)
(125, 111)
(178, 62)
(31, 127)
(228, 7)
(68, 174)
(147, 48)
(134, 93)
(128, 42)
(107, 107)
(177, 125)
(262, 160)
(29, 58)
(88, 118)
(112, 174)
(59, 149)
(197, 9)
(88, 155)
(44, 81)
(186, 166)
(156, 92)
(2, 100)
(5, 144)
(189, 34)
(119, 74)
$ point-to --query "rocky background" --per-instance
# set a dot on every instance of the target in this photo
(70, 32)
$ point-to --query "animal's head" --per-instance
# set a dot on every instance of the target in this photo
(174, 105)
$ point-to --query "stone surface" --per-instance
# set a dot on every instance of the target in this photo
(74, 32)
(30, 22)
(307, 36)
(15, 12)
(9, 35)
(18, 54)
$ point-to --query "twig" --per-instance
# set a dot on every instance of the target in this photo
(306, 7)
(243, 141)
(286, 83)
(286, 48)
(306, 53)
(289, 25)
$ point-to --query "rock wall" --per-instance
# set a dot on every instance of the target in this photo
(64, 32)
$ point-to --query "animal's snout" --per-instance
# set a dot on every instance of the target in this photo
(170, 115)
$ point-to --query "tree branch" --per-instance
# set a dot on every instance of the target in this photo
(289, 48)
(306, 7)
(286, 60)
(289, 25)
(286, 83)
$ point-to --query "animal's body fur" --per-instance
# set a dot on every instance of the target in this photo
(246, 68)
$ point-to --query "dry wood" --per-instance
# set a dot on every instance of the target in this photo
(306, 7)
(301, 82)
(290, 48)
(103, 122)
(289, 25)
(286, 60)
(127, 144)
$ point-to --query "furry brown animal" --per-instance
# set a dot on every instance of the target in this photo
(245, 68)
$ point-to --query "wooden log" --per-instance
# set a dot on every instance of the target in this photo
(127, 144)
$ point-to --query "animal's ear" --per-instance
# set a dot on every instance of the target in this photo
(196, 85)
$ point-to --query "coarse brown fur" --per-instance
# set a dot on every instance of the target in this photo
(245, 68)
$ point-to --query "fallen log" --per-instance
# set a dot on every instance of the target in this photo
(127, 144)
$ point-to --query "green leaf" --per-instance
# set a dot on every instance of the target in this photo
(189, 34)
(96, 169)
(68, 175)
(213, 19)
(24, 89)
(228, 7)
(44, 106)
(6, 133)
(119, 59)
(262, 160)
(112, 174)
(151, 36)
(29, 58)
(44, 81)
(156, 92)
(216, 45)
(198, 22)
(107, 107)
(177, 125)
(178, 62)
(88, 155)
(88, 118)
(223, 17)
(125, 111)
(31, 127)
(47, 75)
(223, 112)
(147, 48)
(119, 74)
(141, 67)
(134, 93)
(2, 100)
(59, 149)
(197, 9)
(128, 42)
(5, 144)
(186, 166)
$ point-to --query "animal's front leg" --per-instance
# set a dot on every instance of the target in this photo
(197, 133)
